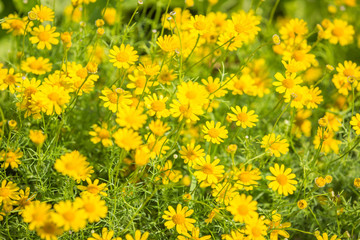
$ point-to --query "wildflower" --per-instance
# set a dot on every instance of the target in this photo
(115, 98)
(320, 182)
(191, 153)
(333, 122)
(110, 15)
(94, 208)
(274, 144)
(8, 192)
(246, 177)
(131, 118)
(105, 235)
(243, 117)
(11, 158)
(13, 23)
(138, 82)
(241, 85)
(179, 219)
(192, 93)
(69, 216)
(138, 236)
(302, 204)
(123, 57)
(282, 181)
(340, 32)
(38, 66)
(224, 192)
(187, 111)
(324, 140)
(36, 214)
(52, 98)
(168, 174)
(168, 43)
(357, 182)
(93, 188)
(74, 165)
(287, 83)
(245, 25)
(325, 237)
(355, 123)
(231, 148)
(213, 86)
(211, 215)
(166, 75)
(44, 36)
(24, 200)
(214, 133)
(101, 134)
(295, 28)
(66, 39)
(49, 230)
(255, 228)
(234, 235)
(195, 232)
(142, 156)
(328, 179)
(243, 208)
(158, 127)
(157, 105)
(276, 39)
(277, 228)
(43, 13)
(127, 138)
(37, 137)
(9, 79)
(344, 72)
(208, 171)
(99, 23)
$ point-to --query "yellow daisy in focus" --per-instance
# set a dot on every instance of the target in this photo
(355, 123)
(115, 98)
(208, 171)
(156, 106)
(192, 93)
(286, 83)
(214, 133)
(191, 153)
(168, 43)
(123, 57)
(274, 144)
(213, 86)
(138, 236)
(243, 117)
(243, 208)
(246, 177)
(43, 13)
(9, 79)
(69, 216)
(282, 181)
(179, 219)
(44, 36)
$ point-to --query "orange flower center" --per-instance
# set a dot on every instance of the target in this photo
(178, 219)
(103, 134)
(191, 155)
(337, 31)
(282, 179)
(140, 83)
(242, 117)
(112, 97)
(54, 96)
(243, 209)
(89, 207)
(93, 189)
(158, 106)
(213, 133)
(122, 57)
(299, 55)
(69, 216)
(200, 25)
(191, 94)
(245, 177)
(10, 79)
(348, 72)
(37, 65)
(44, 36)
(208, 169)
(49, 228)
(212, 87)
(288, 83)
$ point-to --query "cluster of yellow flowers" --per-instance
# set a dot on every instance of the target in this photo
(188, 117)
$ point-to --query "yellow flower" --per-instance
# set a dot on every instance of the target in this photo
(191, 153)
(243, 208)
(74, 165)
(192, 93)
(320, 181)
(131, 118)
(302, 204)
(138, 82)
(44, 36)
(179, 219)
(110, 15)
(295, 28)
(287, 83)
(52, 98)
(234, 235)
(299, 96)
(127, 138)
(214, 133)
(158, 127)
(211, 216)
(115, 98)
(282, 181)
(244, 84)
(245, 25)
(10, 158)
(355, 123)
(168, 43)
(93, 188)
(243, 117)
(324, 139)
(142, 156)
(345, 72)
(24, 200)
(255, 228)
(213, 86)
(340, 32)
(325, 237)
(94, 208)
(276, 228)
(156, 106)
(9, 79)
(246, 177)
(49, 230)
(43, 13)
(187, 111)
(224, 192)
(166, 75)
(38, 66)
(101, 134)
(137, 236)
(124, 56)
(357, 182)
(105, 235)
(274, 144)
(16, 25)
(167, 174)
(69, 216)
(8, 192)
(195, 232)
(207, 171)
(36, 214)
(37, 137)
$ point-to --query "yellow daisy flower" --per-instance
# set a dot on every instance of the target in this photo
(37, 137)
(287, 83)
(158, 127)
(326, 237)
(8, 192)
(38, 66)
(94, 208)
(274, 144)
(255, 229)
(246, 177)
(44, 36)
(93, 188)
(195, 232)
(43, 13)
(123, 57)
(213, 87)
(191, 153)
(10, 158)
(9, 79)
(243, 117)
(127, 139)
(243, 208)
(282, 181)
(131, 118)
(168, 43)
(69, 216)
(179, 219)
(157, 105)
(207, 171)
(115, 98)
(214, 133)
(36, 214)
(101, 134)
(137, 236)
(355, 123)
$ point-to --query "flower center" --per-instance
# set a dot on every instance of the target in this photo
(140, 83)
(211, 87)
(191, 94)
(89, 207)
(337, 31)
(82, 73)
(37, 65)
(10, 79)
(158, 106)
(112, 97)
(299, 56)
(191, 154)
(288, 83)
(348, 72)
(214, 133)
(122, 57)
(282, 179)
(44, 36)
(54, 96)
(245, 177)
(242, 117)
(200, 25)
(49, 228)
(243, 209)
(69, 216)
(208, 169)
(178, 219)
(92, 189)
(16, 24)
(103, 134)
